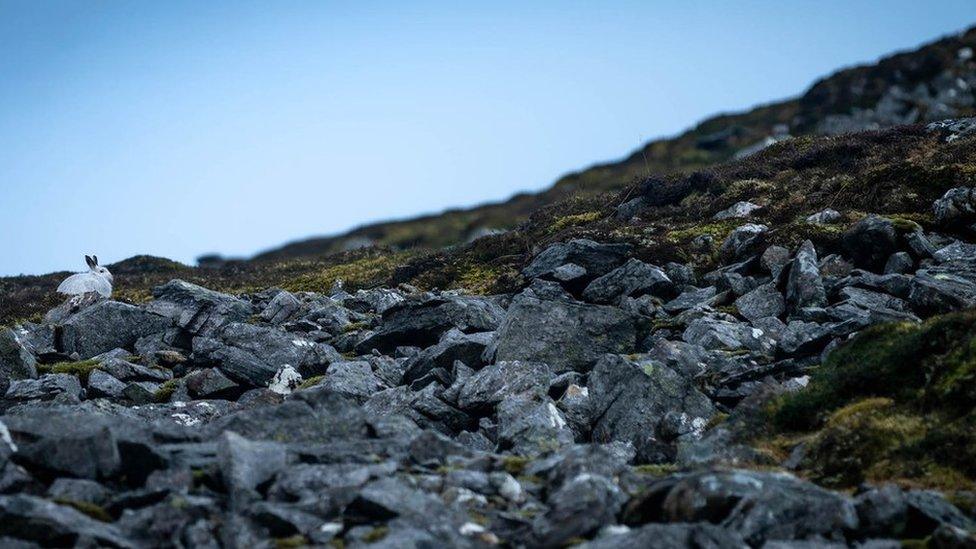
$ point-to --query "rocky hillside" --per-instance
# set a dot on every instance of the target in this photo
(931, 83)
(776, 351)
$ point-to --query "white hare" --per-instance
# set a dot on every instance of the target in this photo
(97, 280)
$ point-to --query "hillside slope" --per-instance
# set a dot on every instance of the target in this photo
(931, 83)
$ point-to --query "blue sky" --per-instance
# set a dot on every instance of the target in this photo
(182, 128)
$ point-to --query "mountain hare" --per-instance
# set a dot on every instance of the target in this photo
(97, 280)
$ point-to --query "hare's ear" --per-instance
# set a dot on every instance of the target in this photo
(95, 260)
(91, 262)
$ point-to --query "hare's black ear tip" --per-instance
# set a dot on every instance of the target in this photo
(95, 259)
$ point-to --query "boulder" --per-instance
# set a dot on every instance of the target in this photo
(354, 379)
(700, 535)
(66, 445)
(252, 355)
(46, 387)
(956, 208)
(692, 298)
(943, 289)
(899, 263)
(759, 506)
(531, 424)
(580, 507)
(632, 401)
(210, 383)
(49, 524)
(596, 258)
(108, 325)
(102, 384)
(870, 242)
(737, 210)
(804, 287)
(764, 301)
(743, 241)
(199, 311)
(889, 511)
(493, 384)
(422, 322)
(564, 335)
(630, 279)
(718, 334)
(454, 345)
(282, 307)
(246, 464)
(16, 360)
(680, 274)
(775, 259)
(955, 251)
(824, 217)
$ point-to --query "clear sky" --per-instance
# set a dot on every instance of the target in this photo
(180, 128)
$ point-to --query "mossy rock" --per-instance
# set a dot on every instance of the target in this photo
(895, 404)
(930, 365)
(166, 390)
(92, 510)
(858, 437)
(311, 382)
(81, 369)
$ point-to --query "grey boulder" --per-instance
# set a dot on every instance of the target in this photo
(764, 301)
(743, 241)
(422, 322)
(739, 209)
(596, 258)
(108, 325)
(493, 384)
(46, 387)
(252, 355)
(644, 403)
(805, 287)
(564, 335)
(870, 242)
(454, 345)
(957, 207)
(196, 309)
(16, 361)
(630, 279)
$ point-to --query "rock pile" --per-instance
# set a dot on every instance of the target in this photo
(582, 409)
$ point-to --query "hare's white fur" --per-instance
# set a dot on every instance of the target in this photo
(97, 280)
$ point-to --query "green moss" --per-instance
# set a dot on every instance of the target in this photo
(572, 220)
(895, 404)
(297, 540)
(859, 437)
(376, 534)
(365, 272)
(94, 511)
(657, 470)
(311, 382)
(355, 326)
(718, 229)
(81, 370)
(926, 364)
(478, 278)
(514, 465)
(166, 390)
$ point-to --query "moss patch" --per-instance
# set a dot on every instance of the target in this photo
(376, 534)
(894, 404)
(574, 219)
(81, 369)
(291, 542)
(92, 510)
(366, 272)
(166, 390)
(311, 382)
